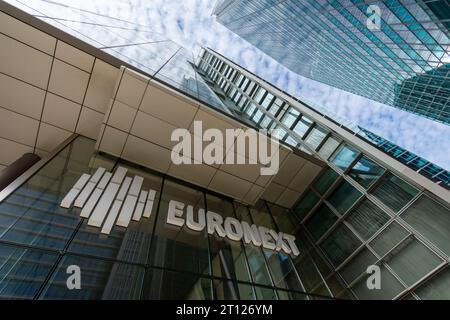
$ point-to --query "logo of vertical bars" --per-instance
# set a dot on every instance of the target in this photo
(106, 199)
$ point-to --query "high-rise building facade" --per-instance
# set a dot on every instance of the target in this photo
(100, 118)
(394, 52)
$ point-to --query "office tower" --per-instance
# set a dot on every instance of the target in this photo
(400, 59)
(85, 133)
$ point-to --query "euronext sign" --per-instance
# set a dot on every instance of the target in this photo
(179, 215)
(108, 199)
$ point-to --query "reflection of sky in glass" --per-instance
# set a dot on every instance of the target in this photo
(149, 57)
(131, 42)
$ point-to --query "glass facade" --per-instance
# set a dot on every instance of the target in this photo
(339, 231)
(149, 259)
(395, 52)
(357, 213)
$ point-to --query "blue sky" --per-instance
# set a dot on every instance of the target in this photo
(189, 23)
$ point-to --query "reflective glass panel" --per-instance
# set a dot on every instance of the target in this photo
(340, 244)
(366, 172)
(170, 285)
(344, 197)
(23, 271)
(394, 192)
(228, 257)
(325, 181)
(99, 279)
(306, 204)
(367, 218)
(432, 220)
(320, 221)
(344, 156)
(175, 247)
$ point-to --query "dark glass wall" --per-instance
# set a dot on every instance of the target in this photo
(149, 259)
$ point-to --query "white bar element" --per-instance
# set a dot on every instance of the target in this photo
(86, 192)
(107, 226)
(140, 206)
(119, 175)
(102, 184)
(73, 193)
(130, 202)
(103, 205)
(123, 190)
(82, 181)
(98, 174)
(127, 211)
(84, 195)
(87, 209)
(109, 223)
(143, 196)
(101, 210)
(149, 204)
(136, 186)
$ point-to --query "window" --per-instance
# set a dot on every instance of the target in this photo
(306, 204)
(413, 260)
(308, 273)
(250, 108)
(257, 116)
(250, 88)
(437, 288)
(289, 117)
(100, 278)
(388, 238)
(259, 94)
(344, 157)
(32, 216)
(302, 126)
(340, 244)
(358, 265)
(315, 137)
(265, 103)
(325, 181)
(328, 148)
(228, 257)
(230, 290)
(390, 287)
(179, 248)
(276, 105)
(432, 220)
(367, 218)
(394, 192)
(284, 219)
(366, 172)
(30, 266)
(344, 197)
(282, 270)
(166, 284)
(266, 122)
(257, 265)
(320, 221)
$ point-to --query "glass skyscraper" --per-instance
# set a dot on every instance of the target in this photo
(98, 93)
(401, 59)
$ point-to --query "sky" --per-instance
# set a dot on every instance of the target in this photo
(190, 23)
